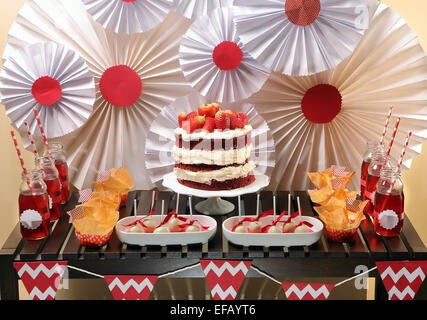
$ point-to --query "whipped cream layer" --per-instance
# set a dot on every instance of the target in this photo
(223, 174)
(215, 157)
(216, 134)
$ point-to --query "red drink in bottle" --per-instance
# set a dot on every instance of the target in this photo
(53, 185)
(371, 148)
(389, 204)
(62, 168)
(55, 198)
(34, 215)
(57, 153)
(371, 187)
(379, 161)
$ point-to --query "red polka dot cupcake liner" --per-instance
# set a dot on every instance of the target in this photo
(339, 235)
(93, 240)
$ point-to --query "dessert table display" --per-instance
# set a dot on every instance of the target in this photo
(324, 258)
(227, 100)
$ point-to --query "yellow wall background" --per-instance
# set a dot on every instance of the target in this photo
(415, 180)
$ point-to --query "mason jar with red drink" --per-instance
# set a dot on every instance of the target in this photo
(34, 214)
(54, 188)
(379, 161)
(389, 203)
(57, 153)
(371, 148)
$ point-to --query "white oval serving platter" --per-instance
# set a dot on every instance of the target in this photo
(165, 239)
(272, 239)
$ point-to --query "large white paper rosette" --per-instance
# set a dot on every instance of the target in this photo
(53, 80)
(135, 76)
(129, 16)
(159, 159)
(215, 61)
(192, 9)
(327, 118)
(301, 37)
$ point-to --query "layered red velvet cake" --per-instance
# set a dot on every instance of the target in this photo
(212, 150)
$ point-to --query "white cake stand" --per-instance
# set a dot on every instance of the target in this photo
(214, 205)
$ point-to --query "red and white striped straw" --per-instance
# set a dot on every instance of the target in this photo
(21, 159)
(42, 131)
(399, 164)
(387, 122)
(33, 144)
(396, 126)
(405, 146)
(18, 151)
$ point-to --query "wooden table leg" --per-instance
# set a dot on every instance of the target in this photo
(9, 279)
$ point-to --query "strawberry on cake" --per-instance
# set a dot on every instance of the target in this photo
(212, 150)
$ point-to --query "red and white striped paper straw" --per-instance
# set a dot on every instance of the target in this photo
(399, 164)
(390, 145)
(42, 131)
(387, 122)
(18, 151)
(33, 144)
(405, 146)
(21, 159)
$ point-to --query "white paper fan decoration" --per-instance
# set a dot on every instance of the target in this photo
(192, 9)
(137, 76)
(51, 79)
(215, 61)
(129, 16)
(326, 119)
(159, 159)
(301, 37)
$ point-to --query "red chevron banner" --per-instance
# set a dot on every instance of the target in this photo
(402, 279)
(41, 278)
(131, 287)
(307, 291)
(225, 277)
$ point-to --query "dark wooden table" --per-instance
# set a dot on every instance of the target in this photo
(324, 259)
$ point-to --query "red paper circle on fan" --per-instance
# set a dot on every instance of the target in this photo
(302, 12)
(121, 86)
(128, 0)
(322, 103)
(46, 91)
(227, 56)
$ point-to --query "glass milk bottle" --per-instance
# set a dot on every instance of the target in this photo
(378, 160)
(371, 148)
(34, 215)
(54, 189)
(389, 203)
(57, 153)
